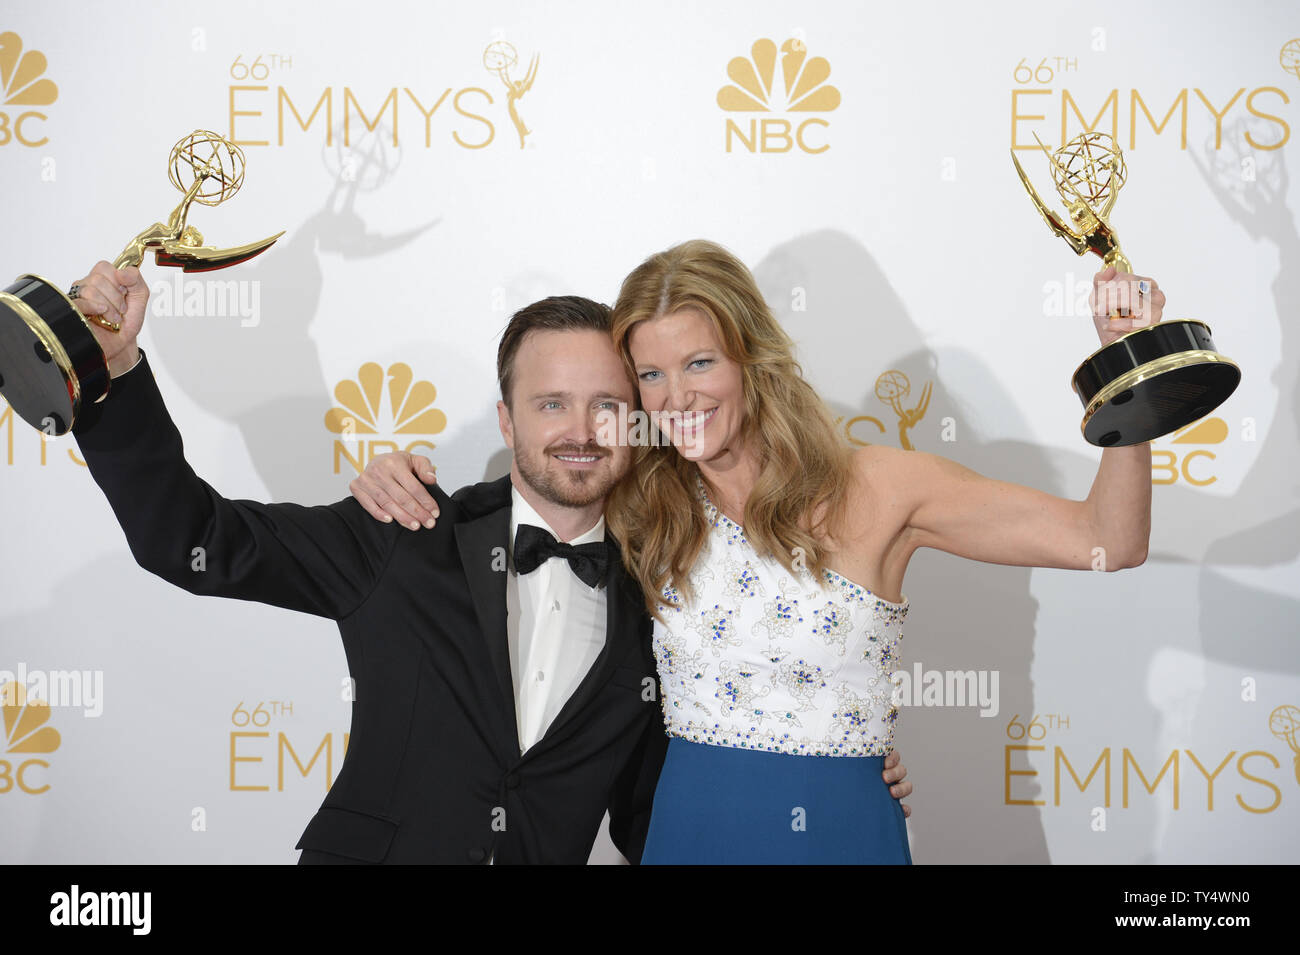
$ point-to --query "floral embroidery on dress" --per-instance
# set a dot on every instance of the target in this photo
(781, 618)
(853, 714)
(833, 623)
(736, 690)
(716, 625)
(764, 659)
(802, 680)
(742, 579)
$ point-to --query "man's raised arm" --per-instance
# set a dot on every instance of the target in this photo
(323, 560)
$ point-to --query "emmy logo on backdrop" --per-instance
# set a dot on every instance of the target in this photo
(1289, 57)
(499, 57)
(1284, 723)
(891, 388)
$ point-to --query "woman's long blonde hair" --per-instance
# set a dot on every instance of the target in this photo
(655, 511)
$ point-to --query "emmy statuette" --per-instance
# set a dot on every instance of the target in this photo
(50, 363)
(1152, 380)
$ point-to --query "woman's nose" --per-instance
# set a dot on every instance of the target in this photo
(679, 395)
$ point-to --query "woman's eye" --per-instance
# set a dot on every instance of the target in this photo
(645, 375)
(702, 362)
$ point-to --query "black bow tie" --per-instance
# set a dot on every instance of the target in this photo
(534, 545)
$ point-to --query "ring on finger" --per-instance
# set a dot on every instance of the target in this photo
(75, 291)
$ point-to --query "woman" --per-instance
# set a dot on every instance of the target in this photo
(773, 555)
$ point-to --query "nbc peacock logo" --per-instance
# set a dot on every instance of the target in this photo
(22, 84)
(803, 89)
(26, 735)
(1169, 464)
(373, 419)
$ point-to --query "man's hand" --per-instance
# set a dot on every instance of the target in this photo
(118, 295)
(895, 773)
(390, 488)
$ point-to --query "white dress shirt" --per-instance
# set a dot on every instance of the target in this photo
(556, 627)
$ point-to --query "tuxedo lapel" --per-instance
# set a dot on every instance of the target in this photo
(482, 543)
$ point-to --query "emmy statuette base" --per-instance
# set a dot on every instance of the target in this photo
(50, 361)
(1152, 381)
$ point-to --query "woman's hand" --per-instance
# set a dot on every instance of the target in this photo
(390, 488)
(894, 773)
(1136, 299)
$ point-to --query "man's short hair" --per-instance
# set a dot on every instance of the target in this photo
(559, 313)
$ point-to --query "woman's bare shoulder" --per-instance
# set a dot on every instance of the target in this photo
(881, 464)
(877, 464)
(891, 479)
(875, 514)
(875, 474)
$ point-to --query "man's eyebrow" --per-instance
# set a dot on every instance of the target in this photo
(566, 395)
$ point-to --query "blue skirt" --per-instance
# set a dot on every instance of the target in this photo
(721, 805)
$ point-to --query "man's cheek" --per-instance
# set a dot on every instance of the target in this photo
(609, 426)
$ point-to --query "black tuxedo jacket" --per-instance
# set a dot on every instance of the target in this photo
(433, 771)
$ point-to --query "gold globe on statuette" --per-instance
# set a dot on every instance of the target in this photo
(1151, 380)
(51, 366)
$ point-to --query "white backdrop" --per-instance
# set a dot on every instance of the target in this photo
(890, 234)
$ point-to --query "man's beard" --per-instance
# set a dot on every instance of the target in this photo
(563, 486)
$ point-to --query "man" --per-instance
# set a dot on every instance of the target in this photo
(504, 699)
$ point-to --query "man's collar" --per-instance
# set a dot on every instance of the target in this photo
(521, 512)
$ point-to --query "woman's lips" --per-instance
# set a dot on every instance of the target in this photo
(694, 422)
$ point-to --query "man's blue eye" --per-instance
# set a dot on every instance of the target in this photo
(645, 375)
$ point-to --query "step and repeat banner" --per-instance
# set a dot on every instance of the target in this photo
(435, 166)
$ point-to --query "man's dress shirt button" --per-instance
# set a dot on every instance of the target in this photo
(477, 855)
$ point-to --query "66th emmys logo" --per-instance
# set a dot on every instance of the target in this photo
(1074, 771)
(265, 100)
(1241, 123)
(803, 89)
(362, 420)
(22, 84)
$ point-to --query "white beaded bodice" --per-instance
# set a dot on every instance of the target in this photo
(765, 660)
